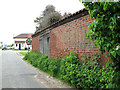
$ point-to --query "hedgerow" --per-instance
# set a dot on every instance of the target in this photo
(88, 74)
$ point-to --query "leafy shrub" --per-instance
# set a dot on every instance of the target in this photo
(25, 57)
(32, 57)
(50, 65)
(87, 74)
(54, 66)
(68, 68)
(42, 63)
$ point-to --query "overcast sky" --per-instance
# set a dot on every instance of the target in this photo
(17, 16)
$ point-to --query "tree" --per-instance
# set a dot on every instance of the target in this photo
(49, 16)
(66, 14)
(49, 9)
(53, 17)
(105, 29)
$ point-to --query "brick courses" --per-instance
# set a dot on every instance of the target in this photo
(70, 36)
(35, 43)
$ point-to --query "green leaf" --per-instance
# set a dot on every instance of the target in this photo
(113, 53)
(86, 35)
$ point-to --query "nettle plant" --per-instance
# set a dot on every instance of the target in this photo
(105, 28)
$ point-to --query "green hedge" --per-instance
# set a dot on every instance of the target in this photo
(80, 75)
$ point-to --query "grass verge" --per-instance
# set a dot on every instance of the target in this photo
(23, 53)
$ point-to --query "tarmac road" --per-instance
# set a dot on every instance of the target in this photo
(0, 69)
(17, 73)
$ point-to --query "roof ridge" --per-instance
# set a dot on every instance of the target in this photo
(23, 35)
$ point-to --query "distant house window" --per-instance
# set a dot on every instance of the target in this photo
(22, 45)
(16, 45)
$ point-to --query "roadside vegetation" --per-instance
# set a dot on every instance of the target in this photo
(80, 75)
(23, 53)
(105, 28)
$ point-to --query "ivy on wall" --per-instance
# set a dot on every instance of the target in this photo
(105, 28)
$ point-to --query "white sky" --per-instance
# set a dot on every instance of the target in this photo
(17, 16)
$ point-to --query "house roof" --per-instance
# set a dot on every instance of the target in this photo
(24, 35)
(62, 20)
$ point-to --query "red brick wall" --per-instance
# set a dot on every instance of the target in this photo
(35, 43)
(71, 36)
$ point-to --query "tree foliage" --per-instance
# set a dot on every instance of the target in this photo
(66, 14)
(49, 16)
(105, 28)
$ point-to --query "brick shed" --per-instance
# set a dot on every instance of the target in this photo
(67, 34)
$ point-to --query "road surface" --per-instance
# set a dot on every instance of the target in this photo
(17, 73)
(0, 70)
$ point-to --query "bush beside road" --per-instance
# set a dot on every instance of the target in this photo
(45, 78)
(80, 75)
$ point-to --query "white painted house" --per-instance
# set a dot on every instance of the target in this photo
(20, 41)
